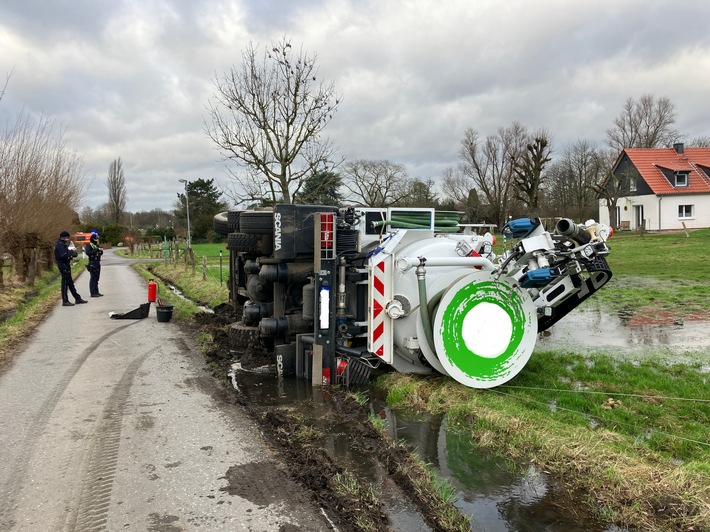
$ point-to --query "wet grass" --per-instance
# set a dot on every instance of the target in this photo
(633, 435)
(658, 273)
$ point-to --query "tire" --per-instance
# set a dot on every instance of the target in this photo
(220, 224)
(242, 336)
(233, 220)
(256, 222)
(242, 243)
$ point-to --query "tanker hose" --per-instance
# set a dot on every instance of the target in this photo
(433, 302)
(423, 307)
(444, 221)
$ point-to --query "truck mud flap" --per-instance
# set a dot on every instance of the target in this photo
(599, 275)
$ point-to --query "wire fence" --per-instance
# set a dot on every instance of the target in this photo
(214, 267)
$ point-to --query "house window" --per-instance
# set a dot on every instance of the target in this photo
(681, 179)
(685, 211)
(632, 185)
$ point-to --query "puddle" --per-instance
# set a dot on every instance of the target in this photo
(625, 332)
(486, 488)
(265, 390)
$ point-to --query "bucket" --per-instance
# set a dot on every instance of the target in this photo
(165, 313)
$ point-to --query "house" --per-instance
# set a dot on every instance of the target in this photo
(661, 188)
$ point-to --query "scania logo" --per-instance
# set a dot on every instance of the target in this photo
(277, 231)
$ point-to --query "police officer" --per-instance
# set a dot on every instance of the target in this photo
(63, 255)
(94, 252)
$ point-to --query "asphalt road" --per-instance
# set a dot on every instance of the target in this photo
(115, 425)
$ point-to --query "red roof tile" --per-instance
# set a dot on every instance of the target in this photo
(649, 161)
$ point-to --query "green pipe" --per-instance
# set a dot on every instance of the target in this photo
(433, 303)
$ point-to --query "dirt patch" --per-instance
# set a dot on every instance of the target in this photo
(351, 505)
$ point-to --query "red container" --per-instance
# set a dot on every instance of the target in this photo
(152, 291)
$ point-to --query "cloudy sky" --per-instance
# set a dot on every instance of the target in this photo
(132, 78)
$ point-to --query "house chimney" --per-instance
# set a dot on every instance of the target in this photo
(678, 147)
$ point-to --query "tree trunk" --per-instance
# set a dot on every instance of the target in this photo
(33, 266)
(19, 265)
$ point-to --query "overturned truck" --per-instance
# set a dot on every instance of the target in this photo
(332, 292)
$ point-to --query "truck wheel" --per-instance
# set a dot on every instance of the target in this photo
(220, 224)
(242, 336)
(256, 222)
(233, 220)
(239, 242)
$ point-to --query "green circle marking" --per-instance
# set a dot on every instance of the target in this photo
(458, 353)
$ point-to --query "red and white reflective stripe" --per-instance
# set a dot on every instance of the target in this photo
(326, 231)
(377, 319)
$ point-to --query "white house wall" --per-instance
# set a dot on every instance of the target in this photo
(701, 212)
(664, 206)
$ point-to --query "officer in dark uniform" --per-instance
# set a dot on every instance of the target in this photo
(63, 255)
(94, 252)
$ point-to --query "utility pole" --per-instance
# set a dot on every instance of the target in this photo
(187, 207)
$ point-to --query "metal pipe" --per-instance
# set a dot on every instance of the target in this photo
(308, 339)
(568, 228)
(407, 263)
(343, 350)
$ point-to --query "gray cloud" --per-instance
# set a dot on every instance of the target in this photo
(131, 79)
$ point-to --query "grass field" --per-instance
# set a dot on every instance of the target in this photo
(659, 274)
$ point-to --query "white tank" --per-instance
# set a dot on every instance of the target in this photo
(483, 329)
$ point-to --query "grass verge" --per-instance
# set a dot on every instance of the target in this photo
(640, 462)
(198, 292)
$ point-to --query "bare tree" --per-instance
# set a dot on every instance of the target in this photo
(4, 87)
(375, 183)
(117, 198)
(489, 165)
(268, 116)
(570, 180)
(42, 182)
(646, 123)
(528, 170)
(459, 192)
(700, 142)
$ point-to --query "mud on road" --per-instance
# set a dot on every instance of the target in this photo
(349, 501)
